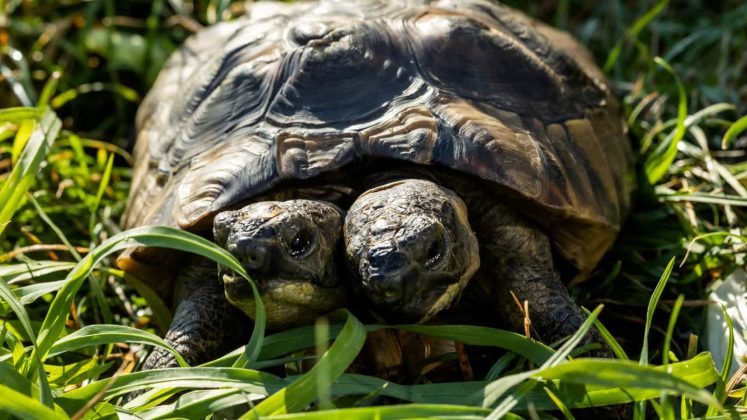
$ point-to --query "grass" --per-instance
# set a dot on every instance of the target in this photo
(73, 327)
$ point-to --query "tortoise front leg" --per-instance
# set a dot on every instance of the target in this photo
(517, 258)
(205, 324)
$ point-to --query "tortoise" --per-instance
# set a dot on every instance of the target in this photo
(318, 100)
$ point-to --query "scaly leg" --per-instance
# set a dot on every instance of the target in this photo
(205, 325)
(517, 257)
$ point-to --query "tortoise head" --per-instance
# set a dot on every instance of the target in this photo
(289, 248)
(410, 246)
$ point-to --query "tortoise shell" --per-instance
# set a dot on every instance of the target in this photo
(292, 91)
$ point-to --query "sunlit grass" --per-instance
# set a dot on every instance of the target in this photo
(72, 326)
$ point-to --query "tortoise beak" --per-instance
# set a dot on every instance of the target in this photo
(237, 286)
(410, 295)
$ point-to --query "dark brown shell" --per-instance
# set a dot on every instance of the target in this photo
(292, 91)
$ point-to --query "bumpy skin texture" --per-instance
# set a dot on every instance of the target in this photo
(414, 254)
(290, 248)
(205, 325)
(515, 256)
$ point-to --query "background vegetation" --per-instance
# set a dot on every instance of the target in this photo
(71, 76)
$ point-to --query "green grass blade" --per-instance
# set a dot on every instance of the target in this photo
(720, 391)
(303, 337)
(70, 94)
(21, 88)
(247, 380)
(512, 399)
(699, 372)
(722, 199)
(278, 344)
(100, 192)
(251, 351)
(632, 33)
(75, 373)
(30, 293)
(94, 335)
(334, 362)
(17, 353)
(501, 386)
(640, 408)
(18, 114)
(407, 411)
(199, 404)
(709, 111)
(562, 353)
(734, 130)
(323, 377)
(726, 367)
(559, 403)
(670, 328)
(80, 155)
(155, 236)
(49, 89)
(23, 134)
(609, 338)
(484, 336)
(657, 164)
(161, 312)
(7, 295)
(3, 332)
(293, 340)
(22, 175)
(56, 229)
(618, 373)
(12, 379)
(23, 407)
(10, 298)
(460, 393)
(652, 303)
(15, 273)
(499, 366)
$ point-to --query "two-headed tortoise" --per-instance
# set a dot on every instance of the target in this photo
(488, 145)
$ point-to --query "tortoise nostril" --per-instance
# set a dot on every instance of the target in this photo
(252, 256)
(386, 258)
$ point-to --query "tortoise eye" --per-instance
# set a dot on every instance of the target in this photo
(434, 252)
(301, 243)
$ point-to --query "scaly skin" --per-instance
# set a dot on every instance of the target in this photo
(205, 324)
(410, 245)
(289, 249)
(515, 256)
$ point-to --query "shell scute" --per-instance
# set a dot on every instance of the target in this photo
(297, 90)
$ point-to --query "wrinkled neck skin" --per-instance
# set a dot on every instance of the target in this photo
(409, 246)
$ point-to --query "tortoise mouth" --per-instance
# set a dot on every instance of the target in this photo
(419, 309)
(236, 286)
(287, 303)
